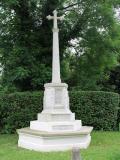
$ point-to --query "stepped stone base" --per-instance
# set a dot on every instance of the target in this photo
(54, 141)
(56, 116)
(55, 128)
(56, 121)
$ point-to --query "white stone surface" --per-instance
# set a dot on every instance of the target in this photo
(56, 97)
(56, 116)
(47, 141)
(56, 60)
(55, 128)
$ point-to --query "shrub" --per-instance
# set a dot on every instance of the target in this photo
(18, 109)
(118, 120)
(98, 109)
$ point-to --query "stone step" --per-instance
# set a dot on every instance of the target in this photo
(56, 126)
(56, 116)
(54, 141)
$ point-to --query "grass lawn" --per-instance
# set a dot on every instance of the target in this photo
(104, 146)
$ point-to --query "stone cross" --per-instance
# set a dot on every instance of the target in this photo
(56, 121)
(56, 58)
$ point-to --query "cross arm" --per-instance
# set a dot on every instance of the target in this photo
(50, 17)
(60, 18)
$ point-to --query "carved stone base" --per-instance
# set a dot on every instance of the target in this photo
(56, 97)
(55, 128)
(49, 141)
(56, 116)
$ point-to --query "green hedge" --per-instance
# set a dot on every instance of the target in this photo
(98, 109)
(118, 120)
(18, 109)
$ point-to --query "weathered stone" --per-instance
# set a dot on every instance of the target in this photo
(56, 128)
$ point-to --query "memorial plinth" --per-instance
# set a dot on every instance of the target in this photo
(55, 128)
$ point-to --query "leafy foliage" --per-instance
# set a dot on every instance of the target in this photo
(98, 109)
(18, 109)
(26, 42)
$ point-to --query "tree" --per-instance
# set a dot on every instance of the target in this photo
(26, 41)
(97, 48)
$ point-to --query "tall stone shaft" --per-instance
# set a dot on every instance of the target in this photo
(56, 58)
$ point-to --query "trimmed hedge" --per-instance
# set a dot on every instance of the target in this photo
(98, 109)
(18, 109)
(118, 120)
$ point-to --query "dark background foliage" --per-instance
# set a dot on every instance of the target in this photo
(89, 43)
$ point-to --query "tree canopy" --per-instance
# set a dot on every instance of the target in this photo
(89, 42)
